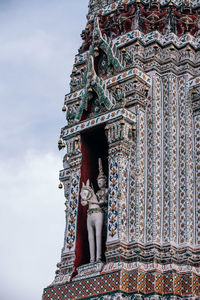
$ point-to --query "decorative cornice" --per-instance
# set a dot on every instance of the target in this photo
(134, 72)
(115, 114)
(155, 36)
(150, 267)
(146, 39)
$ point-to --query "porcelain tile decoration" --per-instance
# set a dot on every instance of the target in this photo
(131, 166)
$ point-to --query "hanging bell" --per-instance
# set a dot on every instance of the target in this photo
(171, 48)
(96, 51)
(63, 145)
(137, 44)
(135, 80)
(134, 127)
(90, 89)
(155, 46)
(146, 90)
(73, 70)
(60, 186)
(107, 127)
(124, 50)
(64, 108)
(76, 143)
(117, 87)
(188, 48)
(193, 92)
(59, 142)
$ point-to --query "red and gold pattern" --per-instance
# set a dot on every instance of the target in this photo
(130, 283)
(146, 17)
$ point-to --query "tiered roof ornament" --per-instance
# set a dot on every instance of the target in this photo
(94, 85)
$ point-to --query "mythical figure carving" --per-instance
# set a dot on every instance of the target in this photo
(119, 96)
(126, 14)
(95, 213)
(74, 83)
(71, 113)
(186, 22)
(118, 23)
(86, 36)
(109, 25)
(153, 19)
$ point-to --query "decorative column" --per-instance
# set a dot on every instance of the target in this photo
(120, 139)
(70, 177)
(140, 175)
(197, 174)
(195, 95)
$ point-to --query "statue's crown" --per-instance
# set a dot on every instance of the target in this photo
(101, 173)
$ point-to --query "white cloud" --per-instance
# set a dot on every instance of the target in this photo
(31, 225)
(35, 47)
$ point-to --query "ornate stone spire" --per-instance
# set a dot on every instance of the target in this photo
(134, 102)
(97, 4)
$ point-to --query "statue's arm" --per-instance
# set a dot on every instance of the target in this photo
(93, 202)
(103, 200)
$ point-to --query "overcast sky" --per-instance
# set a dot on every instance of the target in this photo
(38, 42)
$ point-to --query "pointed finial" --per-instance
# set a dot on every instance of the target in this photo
(101, 173)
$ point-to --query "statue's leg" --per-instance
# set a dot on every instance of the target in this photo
(90, 229)
(98, 228)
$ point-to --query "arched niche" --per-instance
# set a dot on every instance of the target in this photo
(94, 145)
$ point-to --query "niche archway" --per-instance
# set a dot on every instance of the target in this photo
(93, 145)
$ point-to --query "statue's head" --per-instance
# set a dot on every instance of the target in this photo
(86, 191)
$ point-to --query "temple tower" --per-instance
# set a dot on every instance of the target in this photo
(131, 143)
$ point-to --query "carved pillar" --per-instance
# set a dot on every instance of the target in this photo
(140, 175)
(197, 175)
(186, 168)
(120, 140)
(70, 177)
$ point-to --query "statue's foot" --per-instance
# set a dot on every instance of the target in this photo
(99, 259)
(92, 260)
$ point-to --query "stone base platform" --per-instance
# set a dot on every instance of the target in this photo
(111, 283)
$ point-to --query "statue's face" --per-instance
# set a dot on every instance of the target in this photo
(101, 182)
